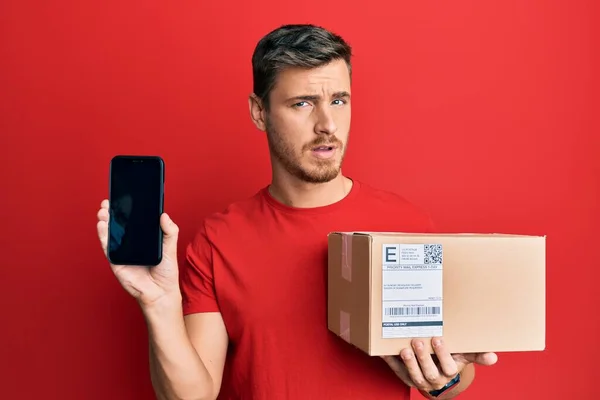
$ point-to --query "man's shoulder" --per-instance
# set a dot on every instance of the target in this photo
(236, 215)
(394, 205)
(388, 199)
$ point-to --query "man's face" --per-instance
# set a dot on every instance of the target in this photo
(308, 121)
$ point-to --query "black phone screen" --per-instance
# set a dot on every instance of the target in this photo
(135, 206)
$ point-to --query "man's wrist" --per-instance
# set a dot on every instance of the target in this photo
(467, 376)
(449, 386)
(168, 306)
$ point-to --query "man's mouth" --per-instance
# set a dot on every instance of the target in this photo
(323, 148)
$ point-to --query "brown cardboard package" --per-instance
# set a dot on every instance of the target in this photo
(488, 290)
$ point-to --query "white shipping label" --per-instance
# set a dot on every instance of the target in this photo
(412, 290)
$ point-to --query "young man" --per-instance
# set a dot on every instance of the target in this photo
(246, 317)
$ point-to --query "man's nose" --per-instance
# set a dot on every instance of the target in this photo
(325, 122)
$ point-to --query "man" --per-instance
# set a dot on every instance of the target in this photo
(246, 318)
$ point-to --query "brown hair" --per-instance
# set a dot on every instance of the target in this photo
(301, 45)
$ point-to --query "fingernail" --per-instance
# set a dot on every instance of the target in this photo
(406, 355)
(419, 345)
(437, 342)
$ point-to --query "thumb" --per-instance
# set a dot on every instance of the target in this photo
(170, 235)
(486, 359)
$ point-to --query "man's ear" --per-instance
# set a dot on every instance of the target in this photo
(257, 111)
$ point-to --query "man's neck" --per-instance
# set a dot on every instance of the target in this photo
(299, 194)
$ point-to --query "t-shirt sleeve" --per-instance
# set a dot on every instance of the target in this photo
(197, 276)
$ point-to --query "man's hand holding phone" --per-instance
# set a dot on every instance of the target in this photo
(148, 285)
(176, 367)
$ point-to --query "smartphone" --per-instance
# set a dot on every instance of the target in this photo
(136, 203)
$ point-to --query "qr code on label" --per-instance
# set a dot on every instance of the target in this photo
(433, 254)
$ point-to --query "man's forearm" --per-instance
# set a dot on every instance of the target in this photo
(176, 370)
(466, 378)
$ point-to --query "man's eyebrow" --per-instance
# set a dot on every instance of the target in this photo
(343, 93)
(312, 97)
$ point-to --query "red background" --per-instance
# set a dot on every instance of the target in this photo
(481, 111)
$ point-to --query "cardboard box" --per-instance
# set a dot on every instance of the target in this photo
(480, 292)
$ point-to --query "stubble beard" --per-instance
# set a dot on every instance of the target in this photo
(322, 171)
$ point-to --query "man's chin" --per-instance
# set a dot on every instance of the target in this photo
(319, 175)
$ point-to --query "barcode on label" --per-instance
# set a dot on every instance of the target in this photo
(412, 310)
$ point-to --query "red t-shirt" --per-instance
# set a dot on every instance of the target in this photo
(263, 265)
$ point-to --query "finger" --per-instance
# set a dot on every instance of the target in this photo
(413, 369)
(399, 369)
(481, 358)
(428, 368)
(485, 359)
(104, 204)
(102, 229)
(103, 214)
(446, 362)
(171, 233)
